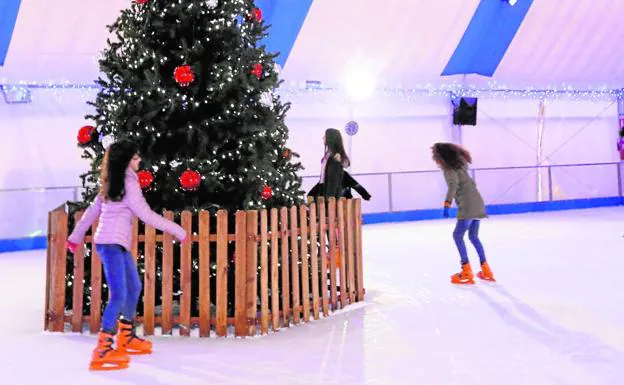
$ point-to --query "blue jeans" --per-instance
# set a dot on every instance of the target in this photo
(472, 225)
(124, 285)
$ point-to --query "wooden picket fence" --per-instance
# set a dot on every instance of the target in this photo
(336, 272)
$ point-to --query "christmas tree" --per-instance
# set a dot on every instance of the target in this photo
(191, 83)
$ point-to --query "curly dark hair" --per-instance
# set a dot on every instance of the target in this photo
(114, 165)
(450, 156)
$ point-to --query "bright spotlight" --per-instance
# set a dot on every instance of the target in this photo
(359, 83)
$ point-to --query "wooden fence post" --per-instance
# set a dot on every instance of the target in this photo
(240, 275)
(274, 270)
(149, 280)
(252, 272)
(314, 262)
(57, 268)
(96, 285)
(323, 255)
(204, 273)
(285, 258)
(305, 271)
(294, 264)
(331, 224)
(185, 275)
(358, 249)
(222, 272)
(78, 284)
(167, 281)
(341, 262)
(48, 276)
(350, 259)
(264, 273)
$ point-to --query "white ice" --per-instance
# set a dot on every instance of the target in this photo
(556, 316)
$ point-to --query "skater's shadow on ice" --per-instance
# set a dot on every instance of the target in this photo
(131, 376)
(581, 348)
(323, 348)
(327, 346)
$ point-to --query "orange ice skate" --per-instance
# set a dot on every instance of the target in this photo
(105, 357)
(485, 273)
(463, 277)
(128, 342)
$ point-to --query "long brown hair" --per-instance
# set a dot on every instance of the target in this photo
(334, 145)
(450, 156)
(113, 171)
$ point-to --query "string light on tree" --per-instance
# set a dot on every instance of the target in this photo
(107, 140)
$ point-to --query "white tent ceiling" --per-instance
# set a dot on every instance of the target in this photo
(396, 41)
(59, 40)
(576, 41)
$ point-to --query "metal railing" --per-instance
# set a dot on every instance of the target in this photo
(74, 189)
(391, 176)
(475, 175)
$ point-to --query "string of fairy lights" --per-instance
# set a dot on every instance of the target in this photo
(291, 90)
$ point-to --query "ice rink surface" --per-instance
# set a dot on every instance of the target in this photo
(555, 316)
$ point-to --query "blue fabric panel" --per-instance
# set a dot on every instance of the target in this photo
(8, 15)
(487, 38)
(286, 17)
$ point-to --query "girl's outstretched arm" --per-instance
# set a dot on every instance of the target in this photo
(141, 209)
(91, 214)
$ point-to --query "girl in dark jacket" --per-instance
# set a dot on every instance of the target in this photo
(348, 183)
(333, 164)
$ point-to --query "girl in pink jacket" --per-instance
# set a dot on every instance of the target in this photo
(119, 201)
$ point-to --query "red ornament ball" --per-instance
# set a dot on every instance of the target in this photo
(257, 14)
(145, 178)
(190, 180)
(184, 75)
(267, 193)
(141, 1)
(85, 134)
(287, 153)
(257, 70)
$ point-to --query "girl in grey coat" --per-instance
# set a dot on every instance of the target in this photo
(454, 160)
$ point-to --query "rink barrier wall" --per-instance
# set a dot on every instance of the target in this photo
(502, 209)
(276, 263)
(39, 243)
